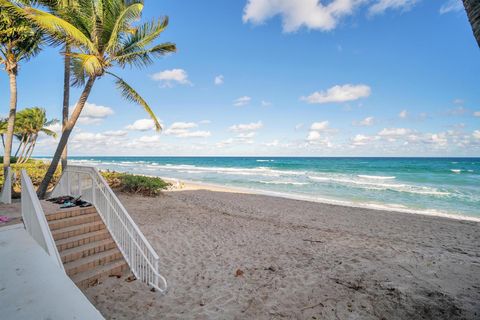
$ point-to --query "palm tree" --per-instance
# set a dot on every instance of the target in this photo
(19, 41)
(473, 12)
(30, 122)
(102, 36)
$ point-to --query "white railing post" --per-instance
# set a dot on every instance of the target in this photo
(6, 194)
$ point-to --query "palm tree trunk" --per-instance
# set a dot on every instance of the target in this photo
(3, 141)
(32, 146)
(473, 12)
(19, 146)
(66, 99)
(42, 189)
(27, 140)
(11, 121)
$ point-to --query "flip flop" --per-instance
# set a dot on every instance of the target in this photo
(67, 204)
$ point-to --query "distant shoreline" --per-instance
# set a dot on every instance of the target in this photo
(198, 185)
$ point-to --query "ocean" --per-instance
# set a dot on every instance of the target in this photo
(438, 186)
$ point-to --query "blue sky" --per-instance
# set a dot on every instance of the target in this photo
(284, 77)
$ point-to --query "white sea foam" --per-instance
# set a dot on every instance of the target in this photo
(456, 170)
(265, 160)
(377, 185)
(284, 182)
(376, 177)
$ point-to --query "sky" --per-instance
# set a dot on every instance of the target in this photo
(283, 78)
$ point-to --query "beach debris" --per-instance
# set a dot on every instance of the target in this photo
(271, 268)
(314, 241)
(131, 278)
(4, 219)
(239, 273)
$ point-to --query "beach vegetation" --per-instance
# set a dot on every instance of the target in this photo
(102, 35)
(136, 184)
(36, 170)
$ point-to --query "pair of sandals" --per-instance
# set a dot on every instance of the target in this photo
(61, 200)
(70, 202)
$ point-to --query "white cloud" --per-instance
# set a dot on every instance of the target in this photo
(317, 134)
(476, 114)
(142, 125)
(314, 14)
(476, 134)
(451, 6)
(56, 127)
(169, 78)
(116, 133)
(383, 5)
(182, 130)
(343, 93)
(247, 135)
(368, 121)
(300, 13)
(182, 125)
(403, 114)
(394, 132)
(266, 103)
(298, 126)
(242, 101)
(361, 140)
(92, 113)
(319, 126)
(218, 80)
(253, 126)
(194, 134)
(274, 143)
(149, 139)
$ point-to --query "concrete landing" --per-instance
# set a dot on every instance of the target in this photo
(32, 286)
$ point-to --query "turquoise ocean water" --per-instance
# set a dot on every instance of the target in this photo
(429, 185)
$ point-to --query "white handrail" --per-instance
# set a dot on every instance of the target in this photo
(87, 182)
(35, 221)
(6, 194)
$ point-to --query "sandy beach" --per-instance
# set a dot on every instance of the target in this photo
(231, 255)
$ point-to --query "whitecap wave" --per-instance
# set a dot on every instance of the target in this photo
(284, 182)
(377, 185)
(376, 177)
(456, 170)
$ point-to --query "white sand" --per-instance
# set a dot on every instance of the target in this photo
(300, 260)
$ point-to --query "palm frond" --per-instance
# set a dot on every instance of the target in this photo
(58, 27)
(90, 63)
(143, 36)
(145, 57)
(122, 24)
(131, 95)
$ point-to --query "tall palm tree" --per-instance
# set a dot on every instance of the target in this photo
(102, 35)
(19, 41)
(473, 12)
(30, 122)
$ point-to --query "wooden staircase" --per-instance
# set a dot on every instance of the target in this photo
(86, 248)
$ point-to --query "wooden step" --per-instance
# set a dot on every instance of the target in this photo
(73, 221)
(86, 250)
(69, 212)
(77, 230)
(93, 261)
(82, 239)
(92, 277)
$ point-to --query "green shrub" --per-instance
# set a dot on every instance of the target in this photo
(146, 186)
(36, 170)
